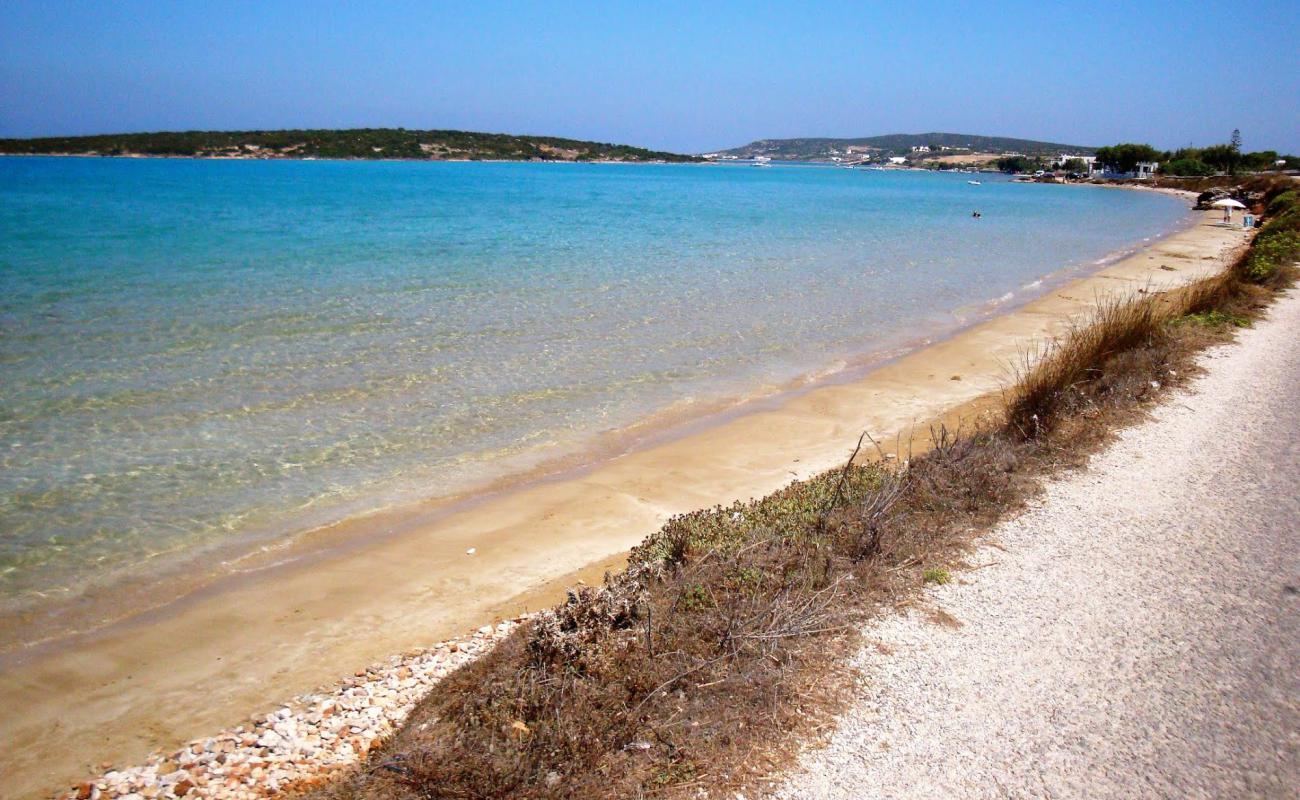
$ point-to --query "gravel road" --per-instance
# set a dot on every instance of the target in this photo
(1134, 634)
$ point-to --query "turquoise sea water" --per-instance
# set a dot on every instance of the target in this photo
(197, 351)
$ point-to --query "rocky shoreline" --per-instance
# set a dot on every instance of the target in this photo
(301, 743)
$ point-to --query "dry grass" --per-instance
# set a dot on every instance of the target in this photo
(1122, 347)
(720, 644)
(1048, 379)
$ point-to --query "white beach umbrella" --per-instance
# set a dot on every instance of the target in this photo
(1227, 202)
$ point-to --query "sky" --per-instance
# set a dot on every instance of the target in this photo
(687, 77)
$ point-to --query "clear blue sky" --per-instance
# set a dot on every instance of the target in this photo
(665, 75)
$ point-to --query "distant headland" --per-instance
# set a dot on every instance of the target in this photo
(926, 145)
(357, 143)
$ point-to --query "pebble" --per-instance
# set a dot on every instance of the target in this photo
(300, 743)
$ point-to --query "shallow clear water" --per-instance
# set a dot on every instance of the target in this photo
(193, 351)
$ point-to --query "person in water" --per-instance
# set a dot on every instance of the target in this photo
(976, 214)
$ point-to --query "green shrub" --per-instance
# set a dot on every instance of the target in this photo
(1278, 243)
(1284, 202)
(1215, 318)
(1187, 166)
(695, 598)
(1271, 253)
(937, 575)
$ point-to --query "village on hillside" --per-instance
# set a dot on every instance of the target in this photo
(1027, 159)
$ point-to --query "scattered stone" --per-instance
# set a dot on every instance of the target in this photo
(302, 742)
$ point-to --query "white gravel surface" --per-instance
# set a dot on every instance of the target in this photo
(1133, 634)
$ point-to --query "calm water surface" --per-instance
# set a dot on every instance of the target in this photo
(197, 351)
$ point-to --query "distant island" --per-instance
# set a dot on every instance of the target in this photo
(358, 143)
(956, 147)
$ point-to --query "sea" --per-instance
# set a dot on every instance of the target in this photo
(199, 355)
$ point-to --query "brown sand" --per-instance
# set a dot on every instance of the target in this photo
(405, 580)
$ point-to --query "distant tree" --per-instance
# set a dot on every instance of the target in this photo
(1125, 157)
(1225, 157)
(1186, 167)
(1018, 164)
(1075, 165)
(1221, 157)
(1260, 161)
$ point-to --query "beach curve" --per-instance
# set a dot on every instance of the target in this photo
(228, 651)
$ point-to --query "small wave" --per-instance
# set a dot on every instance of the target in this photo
(827, 371)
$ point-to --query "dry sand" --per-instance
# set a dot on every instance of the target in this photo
(403, 579)
(1135, 633)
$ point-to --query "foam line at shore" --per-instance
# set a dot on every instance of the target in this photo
(208, 663)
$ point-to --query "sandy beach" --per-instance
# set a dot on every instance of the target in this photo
(403, 579)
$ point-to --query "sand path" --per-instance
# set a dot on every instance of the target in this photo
(1136, 633)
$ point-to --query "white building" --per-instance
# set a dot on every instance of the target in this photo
(1144, 170)
(898, 159)
(1090, 161)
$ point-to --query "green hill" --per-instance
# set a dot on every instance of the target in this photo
(817, 149)
(368, 143)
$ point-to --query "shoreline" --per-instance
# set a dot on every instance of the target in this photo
(181, 578)
(327, 616)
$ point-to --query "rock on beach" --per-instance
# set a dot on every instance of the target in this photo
(302, 742)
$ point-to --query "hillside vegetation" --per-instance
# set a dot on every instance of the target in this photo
(370, 143)
(816, 149)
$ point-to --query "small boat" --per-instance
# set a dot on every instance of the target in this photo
(762, 161)
(975, 183)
